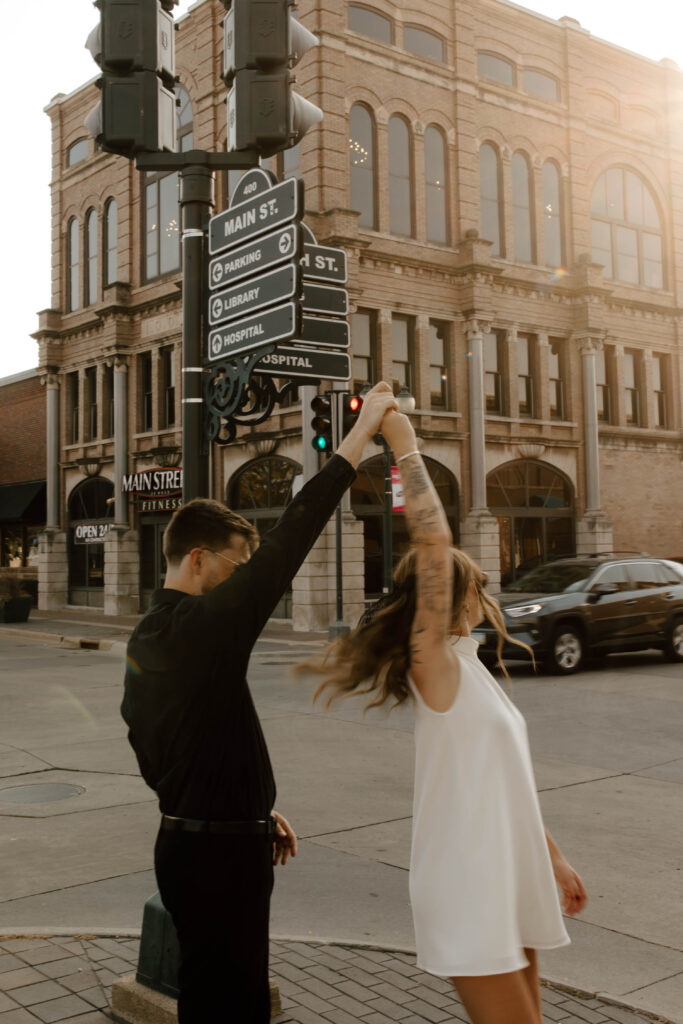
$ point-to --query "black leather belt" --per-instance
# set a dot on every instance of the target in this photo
(240, 828)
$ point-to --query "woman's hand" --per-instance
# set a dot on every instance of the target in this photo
(574, 896)
(284, 844)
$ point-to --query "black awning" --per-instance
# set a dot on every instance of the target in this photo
(22, 502)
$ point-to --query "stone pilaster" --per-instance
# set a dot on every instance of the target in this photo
(480, 539)
(53, 570)
(314, 605)
(385, 348)
(120, 438)
(475, 364)
(52, 435)
(593, 534)
(588, 347)
(422, 357)
(121, 572)
(541, 379)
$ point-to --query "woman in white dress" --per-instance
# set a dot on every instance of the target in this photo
(483, 870)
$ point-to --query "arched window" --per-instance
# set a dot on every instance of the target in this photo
(552, 215)
(90, 257)
(77, 152)
(400, 178)
(536, 83)
(370, 23)
(626, 229)
(423, 43)
(362, 159)
(490, 194)
(534, 505)
(496, 69)
(367, 503)
(522, 206)
(73, 264)
(260, 491)
(110, 248)
(162, 209)
(435, 185)
(90, 515)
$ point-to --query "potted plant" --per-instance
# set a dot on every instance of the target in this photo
(15, 603)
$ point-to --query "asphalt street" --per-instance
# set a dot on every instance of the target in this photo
(608, 754)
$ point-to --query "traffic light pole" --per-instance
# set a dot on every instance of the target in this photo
(338, 627)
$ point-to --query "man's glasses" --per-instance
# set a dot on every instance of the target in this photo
(224, 557)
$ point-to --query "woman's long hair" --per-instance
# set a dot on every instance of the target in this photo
(374, 658)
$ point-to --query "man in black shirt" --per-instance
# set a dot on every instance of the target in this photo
(198, 740)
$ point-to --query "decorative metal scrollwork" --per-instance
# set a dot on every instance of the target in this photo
(233, 397)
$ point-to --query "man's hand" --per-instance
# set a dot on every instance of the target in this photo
(376, 404)
(284, 844)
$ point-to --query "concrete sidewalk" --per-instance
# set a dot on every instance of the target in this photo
(67, 980)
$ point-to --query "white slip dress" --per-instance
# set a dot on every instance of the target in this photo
(481, 881)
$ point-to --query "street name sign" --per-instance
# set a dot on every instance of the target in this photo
(250, 333)
(261, 254)
(304, 362)
(262, 212)
(318, 298)
(325, 333)
(323, 263)
(254, 294)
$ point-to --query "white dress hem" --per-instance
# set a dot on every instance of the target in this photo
(507, 966)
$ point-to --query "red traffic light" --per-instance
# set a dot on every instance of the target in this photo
(355, 403)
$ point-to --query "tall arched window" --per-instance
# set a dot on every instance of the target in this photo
(110, 248)
(522, 206)
(362, 159)
(552, 215)
(490, 197)
(400, 178)
(626, 229)
(90, 257)
(162, 208)
(435, 185)
(73, 264)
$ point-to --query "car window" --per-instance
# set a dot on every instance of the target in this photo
(613, 574)
(672, 573)
(550, 579)
(645, 575)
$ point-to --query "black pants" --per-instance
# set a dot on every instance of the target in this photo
(217, 890)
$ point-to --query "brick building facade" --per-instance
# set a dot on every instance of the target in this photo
(509, 191)
(22, 473)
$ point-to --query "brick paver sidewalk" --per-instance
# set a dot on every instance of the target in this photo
(68, 980)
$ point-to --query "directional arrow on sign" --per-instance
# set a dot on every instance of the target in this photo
(261, 254)
(277, 324)
(254, 294)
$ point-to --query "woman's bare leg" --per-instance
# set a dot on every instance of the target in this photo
(498, 998)
(531, 975)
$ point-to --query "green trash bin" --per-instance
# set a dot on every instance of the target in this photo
(159, 951)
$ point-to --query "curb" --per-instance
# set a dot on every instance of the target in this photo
(74, 643)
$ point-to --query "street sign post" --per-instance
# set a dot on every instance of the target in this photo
(305, 362)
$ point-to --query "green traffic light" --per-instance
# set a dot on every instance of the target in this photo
(321, 443)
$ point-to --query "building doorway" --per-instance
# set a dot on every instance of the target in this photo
(91, 513)
(534, 505)
(152, 561)
(367, 504)
(260, 491)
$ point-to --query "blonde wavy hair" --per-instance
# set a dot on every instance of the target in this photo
(374, 658)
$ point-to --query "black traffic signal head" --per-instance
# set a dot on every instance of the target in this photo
(351, 407)
(321, 406)
(135, 47)
(262, 42)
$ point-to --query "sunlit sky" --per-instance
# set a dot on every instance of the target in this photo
(44, 53)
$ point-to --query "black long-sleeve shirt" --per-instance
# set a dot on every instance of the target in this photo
(192, 722)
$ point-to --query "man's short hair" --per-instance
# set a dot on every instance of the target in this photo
(205, 523)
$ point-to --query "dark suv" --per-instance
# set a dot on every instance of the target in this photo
(570, 608)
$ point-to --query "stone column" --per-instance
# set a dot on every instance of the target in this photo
(479, 535)
(385, 349)
(594, 530)
(52, 386)
(422, 359)
(314, 592)
(120, 438)
(53, 571)
(121, 551)
(510, 374)
(541, 379)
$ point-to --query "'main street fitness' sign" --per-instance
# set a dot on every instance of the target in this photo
(155, 490)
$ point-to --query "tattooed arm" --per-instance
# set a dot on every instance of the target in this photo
(431, 666)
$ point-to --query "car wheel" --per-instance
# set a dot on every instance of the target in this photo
(567, 650)
(673, 649)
